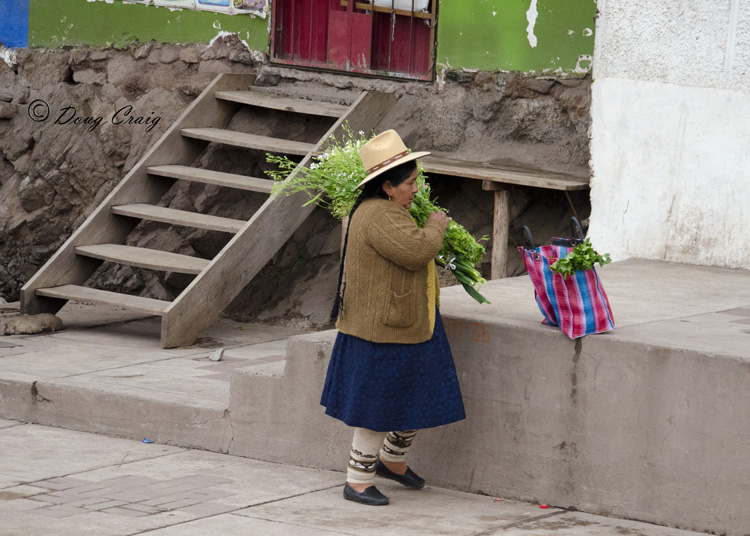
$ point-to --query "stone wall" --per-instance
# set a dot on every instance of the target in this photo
(53, 173)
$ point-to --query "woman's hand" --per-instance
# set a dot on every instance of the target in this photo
(440, 217)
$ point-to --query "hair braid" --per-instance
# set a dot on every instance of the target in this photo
(338, 302)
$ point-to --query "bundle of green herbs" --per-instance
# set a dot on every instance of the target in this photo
(331, 182)
(582, 257)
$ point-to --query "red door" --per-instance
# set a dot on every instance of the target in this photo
(349, 37)
(385, 37)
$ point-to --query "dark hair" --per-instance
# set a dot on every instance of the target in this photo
(373, 188)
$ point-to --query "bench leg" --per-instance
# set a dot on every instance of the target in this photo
(500, 226)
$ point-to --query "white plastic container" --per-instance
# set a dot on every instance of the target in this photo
(419, 5)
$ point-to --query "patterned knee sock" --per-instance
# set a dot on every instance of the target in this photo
(364, 452)
(396, 445)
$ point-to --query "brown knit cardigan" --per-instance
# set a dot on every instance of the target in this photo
(385, 297)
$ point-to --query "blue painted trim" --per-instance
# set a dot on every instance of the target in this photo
(14, 23)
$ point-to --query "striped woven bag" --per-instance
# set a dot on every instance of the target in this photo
(577, 303)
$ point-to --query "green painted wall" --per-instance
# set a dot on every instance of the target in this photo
(491, 35)
(54, 23)
(488, 35)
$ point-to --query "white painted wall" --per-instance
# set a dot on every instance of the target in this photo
(671, 131)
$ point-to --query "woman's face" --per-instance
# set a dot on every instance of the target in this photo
(404, 193)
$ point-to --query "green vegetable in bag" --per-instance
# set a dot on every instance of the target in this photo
(582, 257)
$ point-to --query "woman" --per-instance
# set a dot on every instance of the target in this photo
(391, 370)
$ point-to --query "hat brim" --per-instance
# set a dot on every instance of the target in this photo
(407, 158)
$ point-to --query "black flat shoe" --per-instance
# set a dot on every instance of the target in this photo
(371, 496)
(410, 479)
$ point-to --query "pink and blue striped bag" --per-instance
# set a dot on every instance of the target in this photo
(577, 303)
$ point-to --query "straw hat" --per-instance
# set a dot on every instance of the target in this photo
(383, 152)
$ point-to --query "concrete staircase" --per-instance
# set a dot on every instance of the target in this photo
(216, 281)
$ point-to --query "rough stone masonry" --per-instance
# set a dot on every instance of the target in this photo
(108, 106)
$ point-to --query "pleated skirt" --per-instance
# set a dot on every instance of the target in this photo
(387, 386)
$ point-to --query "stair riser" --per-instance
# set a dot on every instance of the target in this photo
(66, 404)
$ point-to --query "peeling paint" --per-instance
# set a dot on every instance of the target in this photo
(521, 35)
(588, 32)
(531, 16)
(257, 55)
(9, 56)
(226, 34)
(583, 69)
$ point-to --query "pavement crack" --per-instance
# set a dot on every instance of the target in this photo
(38, 397)
(495, 530)
(317, 529)
(241, 508)
(292, 496)
(15, 423)
(230, 443)
(122, 462)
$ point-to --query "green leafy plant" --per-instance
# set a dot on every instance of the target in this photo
(582, 257)
(331, 182)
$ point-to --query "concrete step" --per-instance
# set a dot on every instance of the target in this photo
(113, 379)
(593, 423)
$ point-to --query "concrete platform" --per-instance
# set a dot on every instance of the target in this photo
(104, 373)
(648, 422)
(65, 483)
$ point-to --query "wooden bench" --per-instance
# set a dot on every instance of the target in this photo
(501, 180)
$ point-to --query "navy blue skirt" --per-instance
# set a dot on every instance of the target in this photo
(386, 386)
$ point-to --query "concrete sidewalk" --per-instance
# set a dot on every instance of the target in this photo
(640, 423)
(56, 482)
